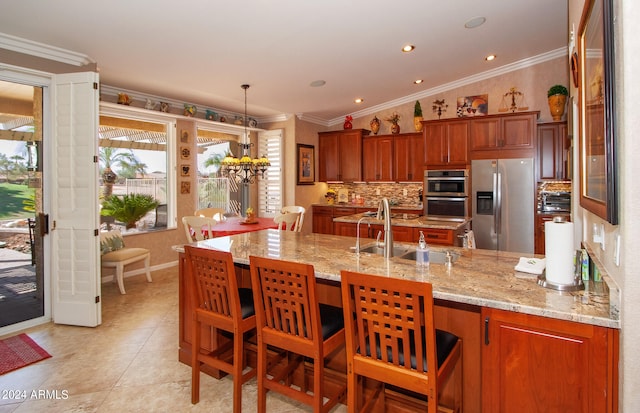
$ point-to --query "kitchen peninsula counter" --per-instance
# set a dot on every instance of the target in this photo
(481, 278)
(511, 328)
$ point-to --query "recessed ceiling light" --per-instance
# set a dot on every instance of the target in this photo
(408, 48)
(475, 22)
(490, 57)
(317, 83)
(418, 81)
(359, 100)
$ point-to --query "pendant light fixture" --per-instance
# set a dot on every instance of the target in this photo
(244, 170)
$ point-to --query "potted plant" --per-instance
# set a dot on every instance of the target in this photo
(417, 116)
(128, 208)
(557, 97)
(394, 119)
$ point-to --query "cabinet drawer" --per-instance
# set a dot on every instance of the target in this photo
(435, 236)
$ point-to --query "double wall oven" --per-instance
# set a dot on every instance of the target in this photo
(446, 194)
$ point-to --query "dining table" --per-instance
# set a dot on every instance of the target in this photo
(239, 225)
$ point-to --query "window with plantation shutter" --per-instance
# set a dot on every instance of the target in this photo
(270, 186)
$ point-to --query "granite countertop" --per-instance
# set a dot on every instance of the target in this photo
(405, 220)
(479, 277)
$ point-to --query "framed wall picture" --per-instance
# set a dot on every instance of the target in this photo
(306, 164)
(184, 136)
(185, 153)
(185, 170)
(185, 187)
(598, 174)
(472, 106)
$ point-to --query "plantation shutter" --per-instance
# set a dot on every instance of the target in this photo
(270, 187)
(74, 191)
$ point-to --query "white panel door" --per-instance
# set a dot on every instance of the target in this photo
(74, 193)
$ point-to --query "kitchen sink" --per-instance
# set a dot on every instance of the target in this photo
(435, 257)
(378, 249)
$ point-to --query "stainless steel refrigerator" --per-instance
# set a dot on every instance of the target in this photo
(503, 192)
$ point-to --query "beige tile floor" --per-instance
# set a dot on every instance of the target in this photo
(127, 364)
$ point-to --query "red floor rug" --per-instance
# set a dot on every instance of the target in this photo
(19, 351)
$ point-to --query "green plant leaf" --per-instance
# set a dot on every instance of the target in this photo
(128, 208)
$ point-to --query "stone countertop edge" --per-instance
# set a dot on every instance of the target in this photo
(482, 278)
(420, 222)
(615, 294)
(407, 207)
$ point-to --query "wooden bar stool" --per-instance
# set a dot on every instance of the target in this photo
(289, 318)
(391, 338)
(219, 303)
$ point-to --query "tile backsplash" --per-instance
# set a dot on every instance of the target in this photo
(373, 192)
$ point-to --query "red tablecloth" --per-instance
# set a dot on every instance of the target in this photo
(234, 226)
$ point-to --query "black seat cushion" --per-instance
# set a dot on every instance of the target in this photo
(246, 302)
(332, 320)
(445, 342)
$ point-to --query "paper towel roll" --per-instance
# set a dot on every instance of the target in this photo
(559, 252)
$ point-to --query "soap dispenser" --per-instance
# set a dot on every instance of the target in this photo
(422, 252)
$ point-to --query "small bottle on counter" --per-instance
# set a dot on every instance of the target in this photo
(422, 252)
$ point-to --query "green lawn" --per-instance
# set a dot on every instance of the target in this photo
(11, 197)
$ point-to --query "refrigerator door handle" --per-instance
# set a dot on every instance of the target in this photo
(499, 204)
(495, 202)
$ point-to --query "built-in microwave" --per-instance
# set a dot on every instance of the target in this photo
(446, 194)
(451, 182)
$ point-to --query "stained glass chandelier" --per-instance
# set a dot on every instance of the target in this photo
(244, 170)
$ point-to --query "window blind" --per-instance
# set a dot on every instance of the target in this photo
(270, 186)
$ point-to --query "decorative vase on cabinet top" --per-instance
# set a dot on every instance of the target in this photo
(417, 123)
(375, 125)
(556, 106)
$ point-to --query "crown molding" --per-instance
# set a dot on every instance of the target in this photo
(313, 119)
(29, 47)
(521, 64)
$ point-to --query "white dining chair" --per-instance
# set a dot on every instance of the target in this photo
(295, 208)
(215, 213)
(288, 222)
(198, 228)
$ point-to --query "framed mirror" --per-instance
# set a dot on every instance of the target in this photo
(598, 176)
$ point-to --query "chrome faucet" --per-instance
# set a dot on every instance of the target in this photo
(358, 235)
(384, 213)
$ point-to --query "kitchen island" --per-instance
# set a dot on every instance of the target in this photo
(569, 340)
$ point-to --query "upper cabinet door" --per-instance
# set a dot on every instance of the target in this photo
(409, 157)
(328, 157)
(446, 143)
(485, 134)
(340, 155)
(377, 158)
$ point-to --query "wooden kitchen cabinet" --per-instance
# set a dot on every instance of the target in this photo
(539, 240)
(377, 158)
(538, 364)
(322, 219)
(446, 143)
(409, 157)
(552, 150)
(435, 235)
(340, 155)
(503, 136)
